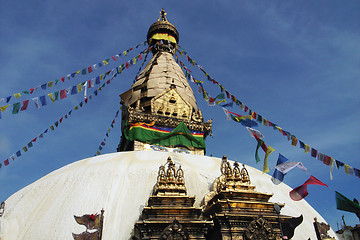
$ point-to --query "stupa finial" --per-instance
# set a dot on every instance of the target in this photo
(162, 15)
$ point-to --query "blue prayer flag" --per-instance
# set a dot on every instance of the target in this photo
(74, 90)
(18, 153)
(278, 176)
(42, 100)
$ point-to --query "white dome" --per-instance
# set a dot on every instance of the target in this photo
(121, 184)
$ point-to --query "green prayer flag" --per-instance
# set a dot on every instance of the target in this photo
(345, 204)
(16, 108)
(83, 72)
(260, 142)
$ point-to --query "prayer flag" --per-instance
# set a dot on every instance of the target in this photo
(16, 108)
(220, 96)
(73, 90)
(97, 81)
(79, 87)
(25, 105)
(30, 144)
(8, 99)
(2, 108)
(256, 132)
(301, 192)
(6, 162)
(63, 94)
(17, 95)
(56, 95)
(314, 152)
(302, 145)
(50, 84)
(51, 97)
(268, 152)
(294, 141)
(278, 176)
(83, 72)
(345, 204)
(52, 127)
(90, 69)
(18, 153)
(98, 152)
(228, 117)
(25, 148)
(307, 148)
(43, 100)
(63, 78)
(12, 157)
(36, 101)
(287, 166)
(228, 104)
(105, 62)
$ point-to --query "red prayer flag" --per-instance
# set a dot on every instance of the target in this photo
(140, 57)
(301, 192)
(31, 90)
(126, 65)
(63, 79)
(90, 69)
(60, 120)
(34, 140)
(6, 162)
(25, 105)
(246, 109)
(113, 58)
(63, 94)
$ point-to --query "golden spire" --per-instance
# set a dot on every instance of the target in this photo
(162, 15)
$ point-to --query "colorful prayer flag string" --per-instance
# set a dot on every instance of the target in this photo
(327, 160)
(103, 142)
(56, 124)
(59, 95)
(84, 71)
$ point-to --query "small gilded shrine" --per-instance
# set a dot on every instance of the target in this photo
(170, 213)
(240, 212)
(160, 109)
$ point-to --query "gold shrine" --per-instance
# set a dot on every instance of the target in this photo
(232, 210)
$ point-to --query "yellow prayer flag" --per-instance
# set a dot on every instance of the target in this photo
(134, 60)
(346, 167)
(76, 107)
(77, 72)
(17, 95)
(101, 76)
(50, 84)
(268, 152)
(51, 97)
(105, 62)
(125, 53)
(79, 87)
(4, 107)
(307, 148)
(265, 122)
(218, 102)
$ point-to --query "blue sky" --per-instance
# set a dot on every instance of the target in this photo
(294, 62)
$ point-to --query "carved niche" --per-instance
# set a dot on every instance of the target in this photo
(171, 104)
(259, 229)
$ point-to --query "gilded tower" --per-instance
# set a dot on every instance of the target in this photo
(160, 110)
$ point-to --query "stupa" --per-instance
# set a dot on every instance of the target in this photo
(160, 184)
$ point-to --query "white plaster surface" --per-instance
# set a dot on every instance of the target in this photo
(121, 184)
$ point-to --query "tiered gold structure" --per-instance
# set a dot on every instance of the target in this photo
(238, 211)
(170, 213)
(161, 93)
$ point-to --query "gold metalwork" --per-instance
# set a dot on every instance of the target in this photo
(259, 229)
(170, 181)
